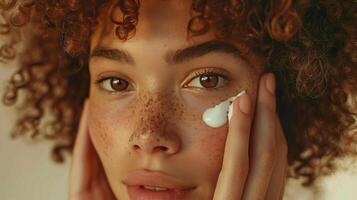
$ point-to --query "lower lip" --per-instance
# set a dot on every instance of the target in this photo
(140, 193)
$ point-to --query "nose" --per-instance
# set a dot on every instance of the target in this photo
(154, 142)
(156, 127)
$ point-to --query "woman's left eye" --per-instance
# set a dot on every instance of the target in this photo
(208, 80)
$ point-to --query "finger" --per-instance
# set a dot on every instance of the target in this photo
(263, 144)
(234, 170)
(277, 182)
(80, 168)
(87, 176)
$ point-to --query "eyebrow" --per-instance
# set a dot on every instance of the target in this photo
(119, 55)
(172, 57)
(202, 49)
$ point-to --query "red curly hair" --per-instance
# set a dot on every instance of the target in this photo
(310, 45)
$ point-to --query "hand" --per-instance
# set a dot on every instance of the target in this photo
(255, 156)
(87, 178)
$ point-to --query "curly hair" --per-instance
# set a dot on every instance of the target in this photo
(310, 45)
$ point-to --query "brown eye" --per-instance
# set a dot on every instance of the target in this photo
(114, 84)
(209, 81)
(118, 84)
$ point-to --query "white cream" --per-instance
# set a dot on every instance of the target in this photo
(217, 115)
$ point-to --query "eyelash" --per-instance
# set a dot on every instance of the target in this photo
(210, 72)
(101, 80)
(206, 71)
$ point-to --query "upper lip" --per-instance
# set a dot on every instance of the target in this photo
(154, 178)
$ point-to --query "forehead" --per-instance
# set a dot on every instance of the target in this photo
(162, 24)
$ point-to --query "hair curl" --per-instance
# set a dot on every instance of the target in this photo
(310, 45)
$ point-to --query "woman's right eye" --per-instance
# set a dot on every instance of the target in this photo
(113, 84)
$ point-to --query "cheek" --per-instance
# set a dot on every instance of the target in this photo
(107, 125)
(99, 133)
(205, 148)
(214, 146)
(211, 146)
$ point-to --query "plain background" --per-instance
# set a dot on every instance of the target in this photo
(27, 172)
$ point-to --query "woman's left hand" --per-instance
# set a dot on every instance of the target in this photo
(266, 152)
(268, 162)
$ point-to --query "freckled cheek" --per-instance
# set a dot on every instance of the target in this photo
(210, 144)
(108, 128)
(206, 145)
(214, 146)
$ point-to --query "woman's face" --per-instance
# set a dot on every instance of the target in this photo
(147, 97)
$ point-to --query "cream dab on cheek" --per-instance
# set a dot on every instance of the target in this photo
(217, 115)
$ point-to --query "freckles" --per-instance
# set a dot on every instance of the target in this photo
(100, 138)
(213, 145)
(101, 128)
(106, 142)
(155, 112)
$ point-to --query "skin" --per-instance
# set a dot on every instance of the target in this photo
(157, 123)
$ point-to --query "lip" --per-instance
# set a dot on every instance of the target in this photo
(177, 190)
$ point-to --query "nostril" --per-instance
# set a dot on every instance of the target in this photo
(160, 148)
(157, 148)
(136, 147)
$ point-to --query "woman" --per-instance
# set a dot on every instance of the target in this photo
(143, 75)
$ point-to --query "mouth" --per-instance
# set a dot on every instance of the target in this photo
(157, 193)
(148, 185)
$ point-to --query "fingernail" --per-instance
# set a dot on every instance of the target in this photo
(270, 83)
(244, 104)
(230, 112)
(231, 107)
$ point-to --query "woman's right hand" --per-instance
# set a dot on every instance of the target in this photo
(255, 157)
(87, 177)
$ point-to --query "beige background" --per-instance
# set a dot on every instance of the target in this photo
(27, 172)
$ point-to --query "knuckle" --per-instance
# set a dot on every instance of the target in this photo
(266, 113)
(241, 170)
(268, 102)
(267, 163)
(244, 169)
(271, 107)
(243, 129)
